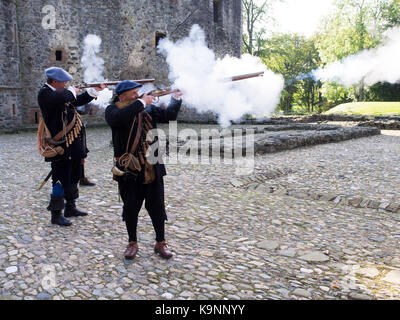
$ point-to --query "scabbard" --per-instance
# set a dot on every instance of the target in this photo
(45, 180)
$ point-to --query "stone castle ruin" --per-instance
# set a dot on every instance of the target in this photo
(36, 34)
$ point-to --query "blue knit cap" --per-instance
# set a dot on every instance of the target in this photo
(58, 74)
(125, 86)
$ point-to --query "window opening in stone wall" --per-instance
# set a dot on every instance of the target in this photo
(58, 55)
(36, 118)
(14, 109)
(217, 10)
(159, 36)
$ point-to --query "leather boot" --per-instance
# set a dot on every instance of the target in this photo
(85, 182)
(71, 193)
(57, 218)
(161, 248)
(56, 205)
(131, 250)
(72, 211)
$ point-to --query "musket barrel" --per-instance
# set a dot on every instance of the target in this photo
(113, 83)
(246, 76)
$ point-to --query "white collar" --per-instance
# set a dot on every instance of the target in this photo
(52, 88)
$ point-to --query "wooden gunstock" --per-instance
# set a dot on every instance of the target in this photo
(160, 93)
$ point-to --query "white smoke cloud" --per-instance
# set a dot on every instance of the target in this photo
(195, 70)
(93, 67)
(374, 65)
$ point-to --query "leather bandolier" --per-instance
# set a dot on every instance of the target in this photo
(133, 161)
(49, 146)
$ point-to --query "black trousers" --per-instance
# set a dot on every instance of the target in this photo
(67, 172)
(133, 194)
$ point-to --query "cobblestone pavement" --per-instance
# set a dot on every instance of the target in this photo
(228, 242)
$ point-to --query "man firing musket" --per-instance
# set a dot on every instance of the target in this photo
(131, 116)
(60, 140)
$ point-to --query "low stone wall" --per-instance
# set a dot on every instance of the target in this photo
(276, 143)
(266, 141)
(381, 122)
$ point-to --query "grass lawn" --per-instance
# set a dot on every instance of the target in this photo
(367, 108)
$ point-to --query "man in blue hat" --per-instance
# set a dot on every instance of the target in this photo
(57, 104)
(138, 180)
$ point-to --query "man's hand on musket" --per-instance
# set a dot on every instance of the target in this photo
(148, 99)
(101, 87)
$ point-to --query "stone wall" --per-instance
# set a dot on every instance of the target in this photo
(10, 93)
(380, 122)
(129, 29)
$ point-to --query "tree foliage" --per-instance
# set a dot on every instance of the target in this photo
(352, 26)
(254, 14)
(293, 56)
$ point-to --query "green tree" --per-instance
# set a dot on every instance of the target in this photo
(255, 13)
(384, 91)
(390, 13)
(353, 26)
(293, 56)
(308, 93)
(387, 16)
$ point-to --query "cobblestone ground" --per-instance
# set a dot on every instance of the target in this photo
(228, 242)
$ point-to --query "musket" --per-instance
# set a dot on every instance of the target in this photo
(112, 83)
(45, 180)
(160, 92)
(245, 76)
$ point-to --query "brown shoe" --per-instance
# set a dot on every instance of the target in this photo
(131, 250)
(162, 249)
(85, 182)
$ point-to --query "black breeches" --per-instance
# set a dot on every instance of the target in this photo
(133, 194)
(67, 172)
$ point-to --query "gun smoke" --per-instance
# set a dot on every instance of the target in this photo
(381, 64)
(195, 70)
(93, 67)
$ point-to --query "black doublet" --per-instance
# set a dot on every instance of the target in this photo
(132, 191)
(120, 121)
(57, 109)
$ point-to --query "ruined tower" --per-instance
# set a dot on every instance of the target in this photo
(38, 34)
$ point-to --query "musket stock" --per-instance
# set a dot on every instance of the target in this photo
(160, 93)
